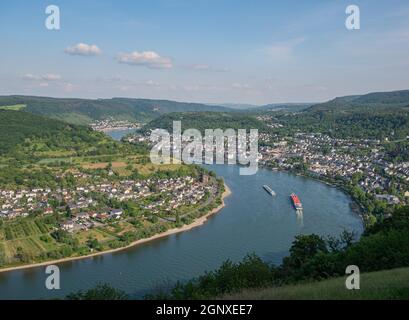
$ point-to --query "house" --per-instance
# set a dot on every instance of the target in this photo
(48, 210)
(93, 214)
(102, 216)
(116, 213)
(67, 225)
(205, 179)
(82, 216)
(389, 198)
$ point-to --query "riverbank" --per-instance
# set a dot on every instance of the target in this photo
(196, 223)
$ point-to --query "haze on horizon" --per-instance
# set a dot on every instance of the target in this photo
(224, 51)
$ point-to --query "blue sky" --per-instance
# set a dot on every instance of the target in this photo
(213, 51)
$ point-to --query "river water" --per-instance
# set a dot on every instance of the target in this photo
(252, 221)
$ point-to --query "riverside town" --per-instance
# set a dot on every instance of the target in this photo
(204, 158)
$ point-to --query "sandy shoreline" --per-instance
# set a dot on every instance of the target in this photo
(197, 223)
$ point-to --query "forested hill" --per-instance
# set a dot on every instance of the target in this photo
(84, 111)
(24, 135)
(288, 107)
(373, 101)
(207, 120)
(378, 115)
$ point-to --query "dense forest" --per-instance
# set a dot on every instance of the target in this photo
(289, 107)
(372, 116)
(29, 143)
(25, 137)
(392, 124)
(375, 115)
(207, 120)
(16, 127)
(84, 111)
(375, 101)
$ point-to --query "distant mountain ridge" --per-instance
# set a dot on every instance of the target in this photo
(374, 100)
(294, 107)
(84, 111)
(206, 120)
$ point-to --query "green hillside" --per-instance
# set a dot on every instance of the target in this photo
(33, 149)
(373, 101)
(15, 107)
(289, 107)
(16, 127)
(84, 111)
(391, 284)
(25, 136)
(207, 120)
(375, 115)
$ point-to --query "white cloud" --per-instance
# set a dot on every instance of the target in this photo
(44, 77)
(149, 59)
(83, 49)
(48, 80)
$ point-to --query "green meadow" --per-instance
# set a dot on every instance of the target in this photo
(15, 107)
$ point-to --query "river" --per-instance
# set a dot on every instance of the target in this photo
(252, 221)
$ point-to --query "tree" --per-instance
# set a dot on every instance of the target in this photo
(303, 248)
(93, 244)
(100, 292)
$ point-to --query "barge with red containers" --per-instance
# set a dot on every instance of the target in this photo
(296, 201)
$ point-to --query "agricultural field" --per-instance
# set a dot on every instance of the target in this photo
(123, 168)
(16, 107)
(25, 235)
(29, 240)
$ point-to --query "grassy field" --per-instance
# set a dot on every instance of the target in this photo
(74, 118)
(120, 167)
(390, 284)
(15, 107)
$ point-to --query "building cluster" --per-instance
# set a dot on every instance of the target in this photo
(361, 160)
(227, 149)
(110, 124)
(81, 203)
